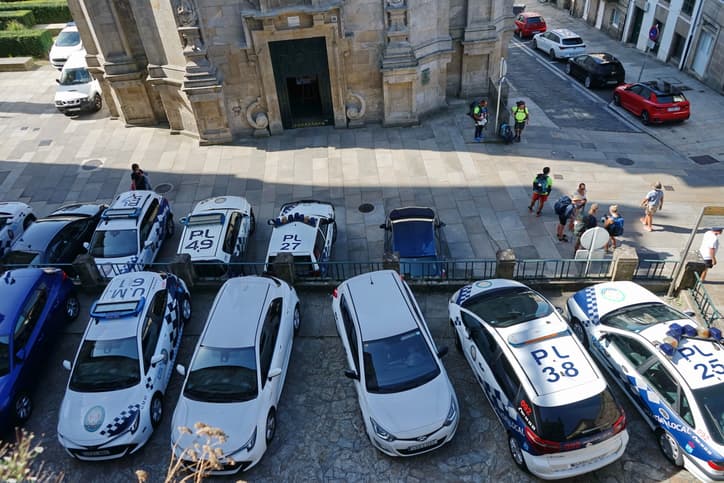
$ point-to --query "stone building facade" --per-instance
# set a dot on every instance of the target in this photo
(224, 69)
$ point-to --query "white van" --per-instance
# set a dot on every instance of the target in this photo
(77, 90)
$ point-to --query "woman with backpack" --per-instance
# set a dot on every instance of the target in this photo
(613, 223)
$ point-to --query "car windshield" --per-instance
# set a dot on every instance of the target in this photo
(711, 402)
(20, 258)
(4, 355)
(106, 365)
(222, 375)
(398, 363)
(580, 419)
(67, 39)
(114, 243)
(638, 317)
(70, 77)
(414, 238)
(509, 306)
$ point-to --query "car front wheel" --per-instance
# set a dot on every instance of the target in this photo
(670, 447)
(552, 54)
(645, 117)
(568, 69)
(170, 227)
(156, 410)
(516, 452)
(97, 103)
(185, 309)
(616, 99)
(23, 407)
(579, 331)
(271, 426)
(72, 307)
(297, 321)
(588, 82)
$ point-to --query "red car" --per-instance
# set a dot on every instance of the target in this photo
(652, 104)
(528, 24)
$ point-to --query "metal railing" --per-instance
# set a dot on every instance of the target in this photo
(707, 309)
(655, 269)
(562, 269)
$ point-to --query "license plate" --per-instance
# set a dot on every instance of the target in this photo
(424, 445)
(101, 452)
(673, 109)
(612, 82)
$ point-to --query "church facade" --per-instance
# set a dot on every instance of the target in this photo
(226, 69)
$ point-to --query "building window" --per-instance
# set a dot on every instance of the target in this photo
(677, 47)
(688, 7)
(615, 17)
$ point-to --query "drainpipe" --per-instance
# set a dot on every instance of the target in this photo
(690, 38)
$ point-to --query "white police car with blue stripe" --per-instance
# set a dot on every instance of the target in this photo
(671, 368)
(15, 217)
(560, 417)
(114, 397)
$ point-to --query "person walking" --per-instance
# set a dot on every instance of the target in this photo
(139, 179)
(613, 223)
(652, 202)
(542, 186)
(587, 221)
(521, 117)
(709, 247)
(480, 116)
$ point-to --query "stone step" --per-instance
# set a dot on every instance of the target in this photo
(10, 64)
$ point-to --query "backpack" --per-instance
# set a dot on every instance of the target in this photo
(472, 107)
(616, 228)
(561, 206)
(506, 133)
(540, 184)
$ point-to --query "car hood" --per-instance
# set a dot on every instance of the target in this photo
(58, 52)
(71, 93)
(410, 413)
(96, 418)
(236, 420)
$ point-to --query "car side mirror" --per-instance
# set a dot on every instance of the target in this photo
(561, 312)
(184, 221)
(66, 365)
(690, 313)
(274, 373)
(181, 369)
(86, 245)
(158, 358)
(442, 351)
(351, 374)
(20, 354)
(57, 81)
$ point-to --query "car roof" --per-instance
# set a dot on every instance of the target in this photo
(237, 311)
(222, 203)
(121, 291)
(565, 33)
(13, 208)
(602, 57)
(380, 304)
(126, 210)
(14, 288)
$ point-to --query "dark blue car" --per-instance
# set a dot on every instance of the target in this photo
(414, 233)
(35, 303)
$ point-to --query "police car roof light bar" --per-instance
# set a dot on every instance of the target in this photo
(117, 310)
(206, 219)
(111, 213)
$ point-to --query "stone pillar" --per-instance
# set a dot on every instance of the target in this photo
(625, 262)
(391, 261)
(283, 267)
(505, 263)
(399, 67)
(693, 263)
(85, 266)
(182, 267)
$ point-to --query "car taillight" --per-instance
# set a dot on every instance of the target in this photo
(716, 465)
(620, 423)
(65, 275)
(335, 293)
(540, 445)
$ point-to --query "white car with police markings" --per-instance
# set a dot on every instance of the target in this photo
(114, 398)
(15, 217)
(407, 402)
(560, 416)
(237, 372)
(307, 230)
(130, 233)
(216, 233)
(671, 368)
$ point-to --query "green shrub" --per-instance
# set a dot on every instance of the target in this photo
(22, 17)
(45, 11)
(25, 42)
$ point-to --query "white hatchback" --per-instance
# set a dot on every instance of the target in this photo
(15, 218)
(67, 43)
(237, 372)
(114, 398)
(559, 43)
(407, 402)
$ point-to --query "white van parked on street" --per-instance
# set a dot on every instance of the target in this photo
(77, 90)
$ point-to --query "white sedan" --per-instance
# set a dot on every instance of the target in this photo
(407, 402)
(15, 217)
(237, 372)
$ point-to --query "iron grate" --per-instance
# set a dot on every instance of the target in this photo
(705, 159)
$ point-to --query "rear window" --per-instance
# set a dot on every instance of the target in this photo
(670, 98)
(572, 41)
(534, 20)
(580, 419)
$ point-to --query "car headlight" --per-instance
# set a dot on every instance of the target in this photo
(249, 445)
(452, 414)
(381, 432)
(136, 422)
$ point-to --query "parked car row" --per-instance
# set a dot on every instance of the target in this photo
(558, 414)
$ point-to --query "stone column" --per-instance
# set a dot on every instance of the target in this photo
(505, 263)
(693, 263)
(625, 262)
(399, 67)
(201, 86)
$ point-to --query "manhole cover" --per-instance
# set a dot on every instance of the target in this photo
(706, 159)
(668, 187)
(624, 161)
(163, 188)
(91, 164)
(562, 154)
(366, 208)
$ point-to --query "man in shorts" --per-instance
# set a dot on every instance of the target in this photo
(709, 247)
(521, 118)
(542, 186)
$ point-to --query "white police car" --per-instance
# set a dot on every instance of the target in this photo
(407, 402)
(560, 417)
(306, 229)
(671, 369)
(237, 372)
(131, 231)
(15, 217)
(114, 397)
(216, 233)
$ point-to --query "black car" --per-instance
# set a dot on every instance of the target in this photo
(598, 69)
(56, 239)
(415, 234)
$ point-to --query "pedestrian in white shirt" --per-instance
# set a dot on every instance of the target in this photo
(709, 247)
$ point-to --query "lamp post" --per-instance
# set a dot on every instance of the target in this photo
(503, 71)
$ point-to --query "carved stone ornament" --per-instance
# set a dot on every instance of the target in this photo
(256, 115)
(186, 13)
(355, 106)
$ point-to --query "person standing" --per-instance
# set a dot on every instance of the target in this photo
(613, 223)
(652, 202)
(709, 247)
(587, 222)
(139, 179)
(568, 216)
(653, 36)
(542, 186)
(581, 192)
(521, 117)
(480, 116)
